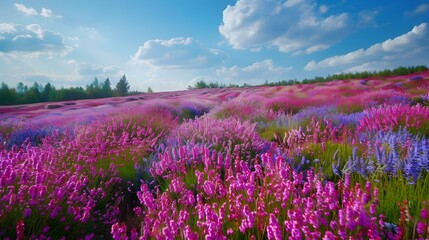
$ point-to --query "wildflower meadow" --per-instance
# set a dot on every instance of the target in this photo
(346, 159)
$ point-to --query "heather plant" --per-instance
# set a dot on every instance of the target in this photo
(251, 109)
(396, 162)
(227, 136)
(350, 120)
(189, 110)
(283, 105)
(307, 114)
(269, 200)
(282, 123)
(8, 126)
(32, 134)
(385, 96)
(387, 117)
(45, 196)
(124, 139)
(75, 185)
(253, 167)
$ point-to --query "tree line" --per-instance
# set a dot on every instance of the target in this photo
(341, 76)
(23, 94)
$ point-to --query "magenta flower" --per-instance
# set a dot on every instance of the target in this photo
(274, 230)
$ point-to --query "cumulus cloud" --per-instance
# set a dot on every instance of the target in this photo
(26, 10)
(30, 39)
(47, 13)
(258, 71)
(29, 11)
(407, 49)
(176, 53)
(87, 69)
(295, 26)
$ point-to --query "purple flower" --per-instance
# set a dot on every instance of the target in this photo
(424, 213)
(421, 228)
(209, 188)
(27, 212)
(274, 230)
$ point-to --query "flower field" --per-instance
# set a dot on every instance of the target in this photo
(336, 160)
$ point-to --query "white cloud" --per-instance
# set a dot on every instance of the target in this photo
(29, 11)
(31, 39)
(87, 69)
(407, 49)
(7, 28)
(258, 71)
(26, 10)
(422, 8)
(47, 13)
(176, 53)
(290, 26)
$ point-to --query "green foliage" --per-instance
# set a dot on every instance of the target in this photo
(202, 84)
(356, 75)
(122, 87)
(48, 93)
(7, 96)
(107, 89)
(339, 76)
(396, 189)
(330, 153)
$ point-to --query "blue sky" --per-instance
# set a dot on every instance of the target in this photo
(170, 44)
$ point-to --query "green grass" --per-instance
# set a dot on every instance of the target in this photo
(269, 133)
(396, 189)
(341, 151)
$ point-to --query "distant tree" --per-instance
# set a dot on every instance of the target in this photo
(71, 94)
(201, 84)
(93, 90)
(34, 94)
(149, 90)
(7, 96)
(47, 92)
(21, 88)
(106, 88)
(122, 87)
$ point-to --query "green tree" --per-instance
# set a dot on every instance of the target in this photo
(7, 96)
(34, 94)
(149, 90)
(122, 87)
(107, 88)
(94, 89)
(47, 92)
(21, 88)
(201, 84)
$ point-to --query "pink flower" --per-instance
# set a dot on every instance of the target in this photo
(119, 231)
(20, 227)
(248, 221)
(189, 234)
(421, 228)
(329, 236)
(424, 213)
(274, 230)
(209, 188)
